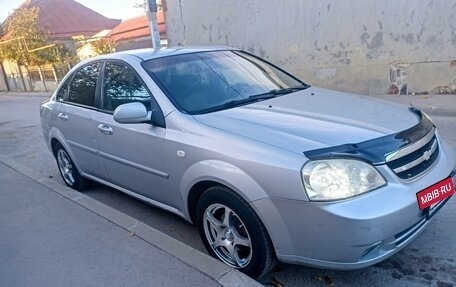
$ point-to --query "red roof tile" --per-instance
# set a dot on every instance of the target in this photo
(135, 28)
(67, 18)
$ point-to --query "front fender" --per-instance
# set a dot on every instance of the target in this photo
(239, 181)
(223, 173)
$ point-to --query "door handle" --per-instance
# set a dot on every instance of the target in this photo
(107, 130)
(63, 116)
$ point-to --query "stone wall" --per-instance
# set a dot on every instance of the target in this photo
(363, 46)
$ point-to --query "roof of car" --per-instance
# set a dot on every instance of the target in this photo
(147, 54)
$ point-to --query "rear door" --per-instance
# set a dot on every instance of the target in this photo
(76, 106)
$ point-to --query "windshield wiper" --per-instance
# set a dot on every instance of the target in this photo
(235, 103)
(251, 99)
(288, 90)
(274, 92)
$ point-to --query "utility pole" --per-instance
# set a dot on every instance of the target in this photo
(153, 25)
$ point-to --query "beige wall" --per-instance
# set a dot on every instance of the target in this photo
(346, 45)
(13, 76)
(31, 79)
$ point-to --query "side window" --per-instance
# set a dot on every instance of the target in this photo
(121, 86)
(62, 94)
(83, 85)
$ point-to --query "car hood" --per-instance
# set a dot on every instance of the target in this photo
(313, 118)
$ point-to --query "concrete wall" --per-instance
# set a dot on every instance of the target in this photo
(3, 79)
(363, 46)
(14, 76)
(32, 79)
(139, 43)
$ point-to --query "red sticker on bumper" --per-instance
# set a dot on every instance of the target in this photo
(435, 193)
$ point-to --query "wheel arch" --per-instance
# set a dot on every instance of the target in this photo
(205, 174)
(220, 173)
(54, 143)
(55, 136)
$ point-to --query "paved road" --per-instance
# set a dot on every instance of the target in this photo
(48, 240)
(428, 261)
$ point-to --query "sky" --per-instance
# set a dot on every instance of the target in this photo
(117, 9)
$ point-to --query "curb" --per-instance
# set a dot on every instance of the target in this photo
(207, 265)
(26, 94)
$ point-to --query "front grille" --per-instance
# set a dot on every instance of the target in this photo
(414, 158)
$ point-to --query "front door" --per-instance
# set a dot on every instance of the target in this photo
(132, 153)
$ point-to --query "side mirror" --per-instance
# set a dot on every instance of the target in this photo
(132, 113)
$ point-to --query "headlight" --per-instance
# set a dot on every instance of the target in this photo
(333, 179)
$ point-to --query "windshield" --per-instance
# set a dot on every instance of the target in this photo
(208, 81)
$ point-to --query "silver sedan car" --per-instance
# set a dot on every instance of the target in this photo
(266, 166)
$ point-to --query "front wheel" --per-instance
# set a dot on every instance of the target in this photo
(232, 232)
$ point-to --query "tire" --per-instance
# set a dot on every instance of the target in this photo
(68, 170)
(240, 239)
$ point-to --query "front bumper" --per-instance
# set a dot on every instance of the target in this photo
(352, 233)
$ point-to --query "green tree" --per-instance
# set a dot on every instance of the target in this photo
(24, 41)
(102, 46)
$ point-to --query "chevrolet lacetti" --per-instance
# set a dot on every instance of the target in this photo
(265, 165)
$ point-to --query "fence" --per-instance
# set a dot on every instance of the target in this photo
(31, 79)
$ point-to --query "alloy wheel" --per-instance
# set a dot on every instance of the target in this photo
(65, 167)
(227, 235)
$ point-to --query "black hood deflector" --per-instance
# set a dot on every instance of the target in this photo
(374, 151)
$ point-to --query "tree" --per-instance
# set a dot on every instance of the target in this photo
(102, 46)
(24, 41)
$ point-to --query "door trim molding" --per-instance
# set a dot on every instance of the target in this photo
(134, 165)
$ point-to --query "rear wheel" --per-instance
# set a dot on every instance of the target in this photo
(233, 232)
(68, 170)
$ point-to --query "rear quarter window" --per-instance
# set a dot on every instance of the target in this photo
(62, 94)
